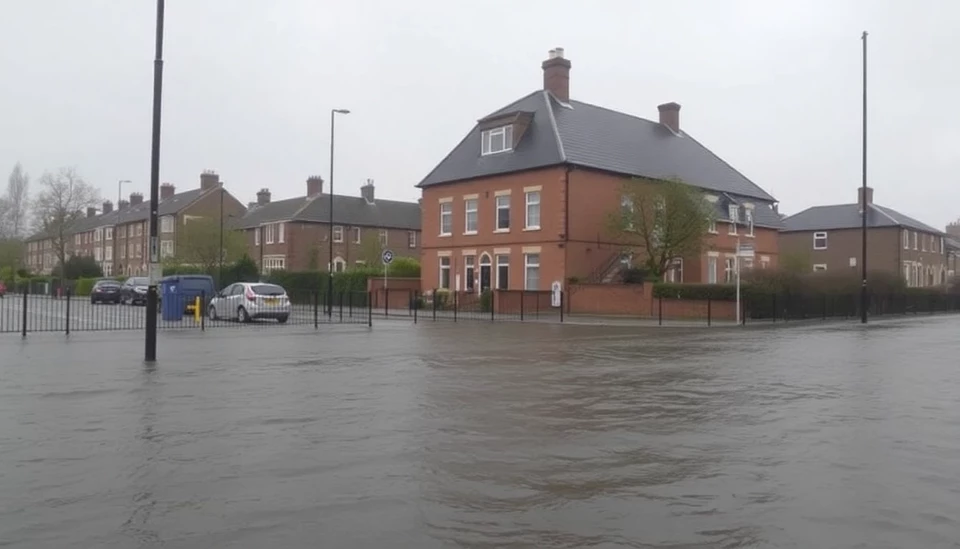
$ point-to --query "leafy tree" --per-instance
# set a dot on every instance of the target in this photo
(11, 252)
(667, 219)
(198, 244)
(78, 266)
(370, 253)
(404, 267)
(61, 202)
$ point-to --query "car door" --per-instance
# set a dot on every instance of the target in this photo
(223, 300)
(235, 294)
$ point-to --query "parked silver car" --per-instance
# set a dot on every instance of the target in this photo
(245, 301)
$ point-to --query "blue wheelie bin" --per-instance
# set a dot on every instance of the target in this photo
(171, 306)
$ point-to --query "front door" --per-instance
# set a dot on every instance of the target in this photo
(484, 277)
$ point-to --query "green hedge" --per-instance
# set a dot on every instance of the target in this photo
(83, 286)
(301, 285)
(717, 292)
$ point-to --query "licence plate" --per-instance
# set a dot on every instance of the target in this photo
(271, 301)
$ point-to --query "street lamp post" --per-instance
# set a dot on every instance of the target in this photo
(116, 226)
(333, 113)
(864, 299)
(150, 347)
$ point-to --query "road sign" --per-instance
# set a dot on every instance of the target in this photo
(746, 250)
(387, 257)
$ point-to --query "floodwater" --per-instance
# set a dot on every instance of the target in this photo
(486, 435)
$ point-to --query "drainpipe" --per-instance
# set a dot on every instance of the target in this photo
(566, 223)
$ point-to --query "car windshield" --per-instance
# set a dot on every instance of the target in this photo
(107, 284)
(267, 289)
(138, 281)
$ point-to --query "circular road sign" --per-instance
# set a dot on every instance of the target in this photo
(387, 257)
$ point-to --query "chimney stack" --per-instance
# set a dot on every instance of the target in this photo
(366, 191)
(123, 205)
(107, 207)
(251, 205)
(167, 190)
(670, 116)
(556, 75)
(860, 196)
(136, 199)
(91, 211)
(263, 197)
(314, 186)
(209, 180)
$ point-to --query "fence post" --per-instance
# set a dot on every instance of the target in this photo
(521, 305)
(660, 311)
(415, 304)
(316, 310)
(386, 302)
(774, 297)
(370, 309)
(561, 306)
(23, 328)
(203, 310)
(709, 311)
(68, 310)
(341, 307)
(456, 305)
(493, 304)
(434, 300)
(350, 303)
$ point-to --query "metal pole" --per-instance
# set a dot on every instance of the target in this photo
(737, 266)
(333, 112)
(150, 351)
(220, 277)
(863, 253)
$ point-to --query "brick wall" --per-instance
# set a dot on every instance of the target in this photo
(637, 300)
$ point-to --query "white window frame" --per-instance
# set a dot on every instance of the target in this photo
(411, 239)
(337, 234)
(339, 265)
(97, 234)
(384, 238)
(166, 224)
(446, 218)
(108, 253)
(443, 264)
(138, 248)
(280, 232)
(356, 235)
(274, 263)
(268, 238)
(923, 243)
(531, 203)
(712, 226)
(505, 263)
(470, 273)
(471, 207)
(906, 239)
(674, 272)
(76, 241)
(496, 211)
(256, 236)
(531, 261)
(729, 270)
(108, 233)
(914, 240)
(712, 269)
(501, 136)
(166, 248)
(819, 267)
(820, 235)
(123, 251)
(139, 229)
(748, 213)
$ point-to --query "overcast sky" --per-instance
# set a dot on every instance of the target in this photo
(774, 88)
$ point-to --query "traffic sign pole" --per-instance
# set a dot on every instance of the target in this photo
(387, 258)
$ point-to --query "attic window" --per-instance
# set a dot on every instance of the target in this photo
(496, 140)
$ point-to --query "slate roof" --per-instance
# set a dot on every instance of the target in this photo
(847, 216)
(139, 212)
(347, 210)
(586, 135)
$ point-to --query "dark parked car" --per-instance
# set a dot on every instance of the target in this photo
(105, 291)
(134, 290)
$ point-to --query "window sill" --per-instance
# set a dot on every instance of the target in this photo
(497, 231)
(819, 249)
(469, 233)
(527, 229)
(750, 235)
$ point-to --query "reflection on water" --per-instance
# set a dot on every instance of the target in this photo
(477, 435)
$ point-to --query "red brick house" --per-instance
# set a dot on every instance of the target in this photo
(524, 199)
(293, 234)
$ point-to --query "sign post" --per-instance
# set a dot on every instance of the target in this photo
(387, 258)
(743, 250)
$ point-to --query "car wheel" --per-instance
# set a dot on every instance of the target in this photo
(212, 312)
(93, 302)
(282, 319)
(242, 315)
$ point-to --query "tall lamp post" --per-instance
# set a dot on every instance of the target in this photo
(150, 350)
(333, 113)
(116, 226)
(864, 299)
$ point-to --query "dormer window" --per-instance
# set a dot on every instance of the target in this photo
(496, 140)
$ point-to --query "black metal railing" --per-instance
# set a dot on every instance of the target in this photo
(490, 306)
(24, 313)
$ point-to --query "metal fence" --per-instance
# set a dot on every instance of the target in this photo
(24, 313)
(501, 305)
(786, 307)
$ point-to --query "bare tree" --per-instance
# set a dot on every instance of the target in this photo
(198, 244)
(18, 188)
(60, 203)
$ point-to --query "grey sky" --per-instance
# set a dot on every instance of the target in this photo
(772, 87)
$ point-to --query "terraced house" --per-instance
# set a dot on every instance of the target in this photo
(829, 239)
(118, 238)
(293, 234)
(523, 201)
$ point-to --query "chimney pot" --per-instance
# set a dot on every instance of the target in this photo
(123, 205)
(107, 207)
(670, 116)
(366, 191)
(91, 211)
(209, 179)
(860, 196)
(167, 190)
(263, 197)
(135, 199)
(314, 185)
(556, 75)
